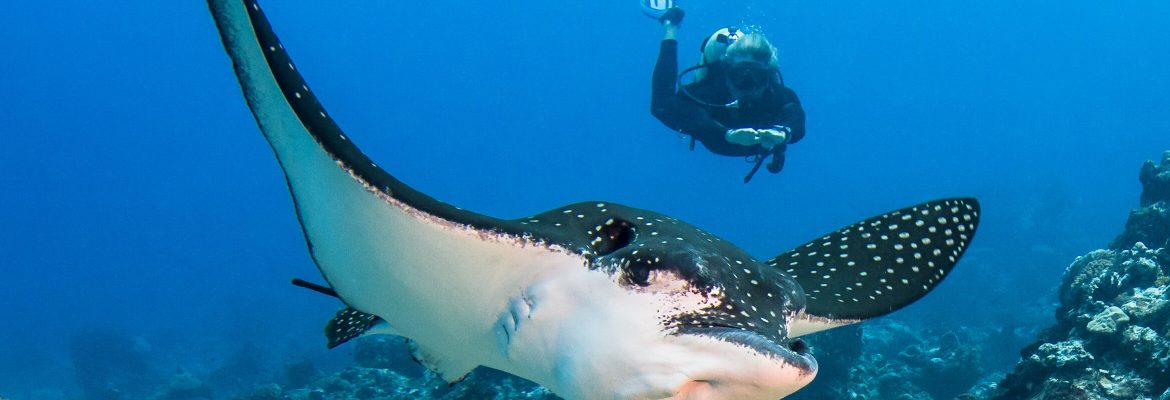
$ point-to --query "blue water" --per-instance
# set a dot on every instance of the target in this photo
(140, 198)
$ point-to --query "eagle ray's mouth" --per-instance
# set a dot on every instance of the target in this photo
(794, 352)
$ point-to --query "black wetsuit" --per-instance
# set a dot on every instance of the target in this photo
(707, 124)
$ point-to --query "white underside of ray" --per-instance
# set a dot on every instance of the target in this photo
(438, 283)
(449, 287)
(805, 324)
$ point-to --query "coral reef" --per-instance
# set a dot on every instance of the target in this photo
(386, 352)
(385, 371)
(1112, 336)
(301, 373)
(1155, 181)
(836, 351)
(1150, 222)
(386, 384)
(888, 359)
(270, 391)
(185, 386)
(246, 364)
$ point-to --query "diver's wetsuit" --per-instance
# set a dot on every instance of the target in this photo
(778, 106)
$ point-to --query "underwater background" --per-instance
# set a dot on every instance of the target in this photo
(148, 236)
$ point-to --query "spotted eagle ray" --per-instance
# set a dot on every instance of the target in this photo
(593, 300)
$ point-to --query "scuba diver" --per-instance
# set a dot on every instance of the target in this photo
(737, 104)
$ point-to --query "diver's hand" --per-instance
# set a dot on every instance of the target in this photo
(774, 136)
(743, 136)
(672, 16)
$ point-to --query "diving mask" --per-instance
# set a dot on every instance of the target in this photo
(749, 75)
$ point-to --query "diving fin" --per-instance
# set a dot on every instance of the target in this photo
(656, 8)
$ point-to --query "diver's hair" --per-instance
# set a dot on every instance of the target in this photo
(755, 46)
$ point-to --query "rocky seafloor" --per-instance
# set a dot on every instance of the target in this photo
(1110, 340)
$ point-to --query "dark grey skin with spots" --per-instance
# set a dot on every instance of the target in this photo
(633, 242)
(868, 269)
(865, 270)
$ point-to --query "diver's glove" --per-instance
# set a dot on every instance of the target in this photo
(742, 136)
(774, 136)
(673, 15)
